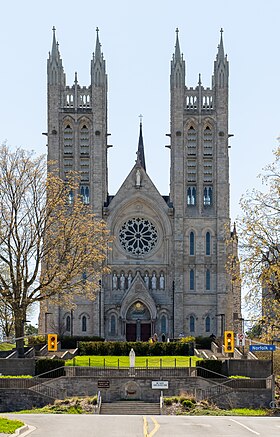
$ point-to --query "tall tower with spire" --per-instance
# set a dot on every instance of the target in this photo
(77, 126)
(199, 192)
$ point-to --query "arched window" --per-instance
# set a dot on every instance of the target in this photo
(191, 141)
(68, 140)
(208, 196)
(191, 243)
(85, 194)
(207, 324)
(191, 196)
(208, 280)
(163, 324)
(70, 197)
(192, 324)
(84, 140)
(207, 142)
(192, 279)
(68, 324)
(84, 324)
(207, 243)
(113, 324)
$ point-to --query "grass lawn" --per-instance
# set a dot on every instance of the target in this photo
(9, 426)
(123, 361)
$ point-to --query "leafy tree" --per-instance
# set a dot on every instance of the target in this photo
(51, 245)
(259, 244)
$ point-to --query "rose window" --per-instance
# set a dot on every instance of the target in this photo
(138, 236)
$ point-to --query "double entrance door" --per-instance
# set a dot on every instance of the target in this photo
(138, 331)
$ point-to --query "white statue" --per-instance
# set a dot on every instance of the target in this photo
(115, 281)
(129, 280)
(161, 281)
(154, 281)
(131, 358)
(147, 280)
(122, 281)
(138, 178)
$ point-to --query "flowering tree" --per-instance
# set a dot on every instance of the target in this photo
(51, 245)
(259, 244)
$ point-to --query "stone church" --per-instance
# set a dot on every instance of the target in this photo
(167, 264)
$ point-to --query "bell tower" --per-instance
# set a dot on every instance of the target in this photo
(199, 192)
(77, 126)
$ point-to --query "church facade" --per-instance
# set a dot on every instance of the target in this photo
(168, 260)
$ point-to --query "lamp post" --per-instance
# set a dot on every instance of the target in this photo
(100, 309)
(222, 323)
(46, 324)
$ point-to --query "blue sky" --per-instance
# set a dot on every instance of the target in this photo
(138, 41)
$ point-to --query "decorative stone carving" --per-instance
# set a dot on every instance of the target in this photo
(161, 282)
(122, 282)
(115, 281)
(154, 281)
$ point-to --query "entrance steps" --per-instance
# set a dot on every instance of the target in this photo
(130, 407)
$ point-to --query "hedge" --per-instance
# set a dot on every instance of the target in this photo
(122, 348)
(46, 365)
(73, 342)
(212, 365)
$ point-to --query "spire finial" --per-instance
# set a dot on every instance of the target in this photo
(54, 29)
(140, 152)
(97, 30)
(199, 79)
(177, 46)
(76, 77)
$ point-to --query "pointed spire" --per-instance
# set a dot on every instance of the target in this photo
(55, 51)
(177, 46)
(97, 46)
(98, 67)
(140, 152)
(55, 68)
(221, 53)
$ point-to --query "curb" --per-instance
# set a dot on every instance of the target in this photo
(25, 429)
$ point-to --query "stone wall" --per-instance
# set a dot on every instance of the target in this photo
(132, 388)
(16, 400)
(17, 366)
(250, 368)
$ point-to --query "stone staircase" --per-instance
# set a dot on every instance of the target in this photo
(130, 407)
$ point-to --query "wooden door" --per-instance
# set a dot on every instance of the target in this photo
(131, 331)
(145, 331)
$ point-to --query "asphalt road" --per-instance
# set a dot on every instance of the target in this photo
(148, 426)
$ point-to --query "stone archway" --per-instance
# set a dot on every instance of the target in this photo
(138, 322)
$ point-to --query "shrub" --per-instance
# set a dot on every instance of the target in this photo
(203, 342)
(122, 348)
(211, 365)
(188, 404)
(46, 365)
(73, 342)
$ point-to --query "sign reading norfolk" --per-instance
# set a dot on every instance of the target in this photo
(160, 384)
(262, 347)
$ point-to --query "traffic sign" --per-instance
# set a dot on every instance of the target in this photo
(262, 347)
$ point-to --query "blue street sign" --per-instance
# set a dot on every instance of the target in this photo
(262, 347)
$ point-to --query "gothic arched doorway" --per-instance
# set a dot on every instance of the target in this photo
(138, 322)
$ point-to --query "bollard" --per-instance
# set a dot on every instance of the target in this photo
(89, 361)
(160, 363)
(104, 363)
(118, 363)
(147, 363)
(175, 362)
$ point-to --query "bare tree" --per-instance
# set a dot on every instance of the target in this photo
(6, 319)
(51, 245)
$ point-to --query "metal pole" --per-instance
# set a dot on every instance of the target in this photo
(173, 291)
